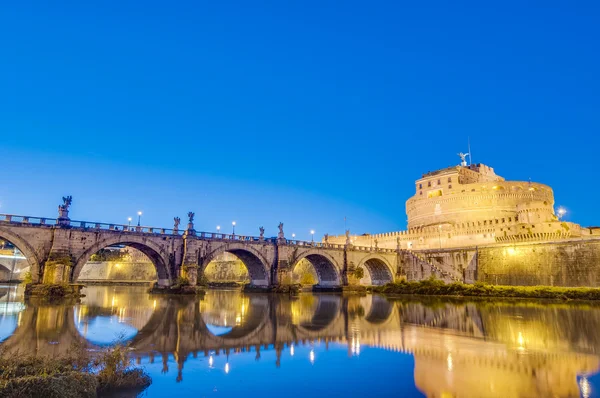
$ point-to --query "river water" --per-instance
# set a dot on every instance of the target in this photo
(235, 344)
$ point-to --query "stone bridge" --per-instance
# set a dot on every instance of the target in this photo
(57, 249)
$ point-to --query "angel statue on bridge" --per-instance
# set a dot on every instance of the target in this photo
(280, 235)
(262, 232)
(67, 200)
(63, 210)
(176, 221)
(191, 216)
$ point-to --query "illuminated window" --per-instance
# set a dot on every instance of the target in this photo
(449, 179)
(420, 186)
(450, 186)
(439, 181)
(428, 183)
(433, 194)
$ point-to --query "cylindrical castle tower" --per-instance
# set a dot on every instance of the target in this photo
(474, 195)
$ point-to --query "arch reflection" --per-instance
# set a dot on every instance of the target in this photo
(459, 348)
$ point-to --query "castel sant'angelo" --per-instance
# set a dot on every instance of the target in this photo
(470, 205)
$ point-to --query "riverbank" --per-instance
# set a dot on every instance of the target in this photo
(76, 374)
(439, 288)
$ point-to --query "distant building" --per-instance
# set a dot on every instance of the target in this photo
(465, 206)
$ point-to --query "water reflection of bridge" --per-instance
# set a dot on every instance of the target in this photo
(528, 350)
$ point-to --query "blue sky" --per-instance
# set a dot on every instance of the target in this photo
(302, 112)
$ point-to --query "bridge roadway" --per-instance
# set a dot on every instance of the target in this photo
(458, 355)
(57, 249)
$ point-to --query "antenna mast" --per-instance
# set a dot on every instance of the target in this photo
(469, 148)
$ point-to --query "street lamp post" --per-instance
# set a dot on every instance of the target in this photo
(233, 227)
(218, 229)
(129, 223)
(312, 236)
(139, 218)
(293, 236)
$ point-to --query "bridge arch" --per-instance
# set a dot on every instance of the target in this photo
(379, 310)
(255, 262)
(33, 259)
(151, 249)
(378, 269)
(327, 269)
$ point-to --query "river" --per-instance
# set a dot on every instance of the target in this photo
(230, 343)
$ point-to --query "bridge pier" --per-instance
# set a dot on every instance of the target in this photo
(191, 254)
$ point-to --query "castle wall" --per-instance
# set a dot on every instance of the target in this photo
(569, 263)
(573, 263)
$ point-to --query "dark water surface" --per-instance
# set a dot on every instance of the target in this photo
(232, 344)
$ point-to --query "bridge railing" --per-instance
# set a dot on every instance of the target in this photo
(127, 228)
(11, 218)
(373, 249)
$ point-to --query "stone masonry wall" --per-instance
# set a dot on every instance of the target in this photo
(569, 263)
(575, 263)
(117, 271)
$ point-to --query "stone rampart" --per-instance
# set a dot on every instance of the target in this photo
(571, 263)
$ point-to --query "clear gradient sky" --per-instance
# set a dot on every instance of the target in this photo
(295, 111)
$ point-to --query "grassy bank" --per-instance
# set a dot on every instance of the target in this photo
(439, 288)
(76, 374)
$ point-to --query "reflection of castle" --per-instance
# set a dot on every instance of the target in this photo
(463, 206)
(464, 349)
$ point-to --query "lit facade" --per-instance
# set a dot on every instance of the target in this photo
(465, 206)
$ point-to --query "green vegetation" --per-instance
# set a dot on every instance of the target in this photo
(53, 291)
(307, 279)
(358, 273)
(432, 287)
(291, 289)
(27, 279)
(76, 374)
(203, 280)
(109, 255)
(181, 286)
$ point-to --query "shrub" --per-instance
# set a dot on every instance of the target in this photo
(27, 278)
(436, 287)
(358, 273)
(307, 279)
(64, 385)
(75, 374)
(182, 281)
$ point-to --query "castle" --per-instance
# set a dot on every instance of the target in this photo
(470, 205)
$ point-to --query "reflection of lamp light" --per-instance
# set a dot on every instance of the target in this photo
(292, 349)
(584, 386)
(227, 367)
(311, 356)
(210, 361)
(449, 362)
